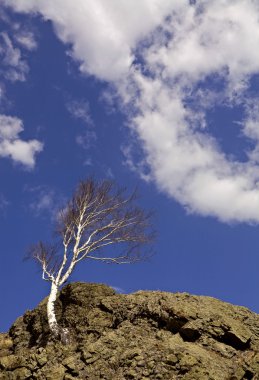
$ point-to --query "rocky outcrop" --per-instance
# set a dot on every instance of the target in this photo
(141, 336)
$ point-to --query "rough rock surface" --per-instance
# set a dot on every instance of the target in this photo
(146, 335)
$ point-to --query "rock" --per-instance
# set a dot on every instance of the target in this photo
(55, 373)
(6, 345)
(11, 362)
(146, 335)
(5, 342)
(22, 373)
(41, 359)
(73, 364)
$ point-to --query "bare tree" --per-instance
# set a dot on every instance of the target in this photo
(98, 215)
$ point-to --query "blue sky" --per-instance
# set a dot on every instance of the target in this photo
(159, 94)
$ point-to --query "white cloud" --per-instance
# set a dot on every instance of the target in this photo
(80, 110)
(13, 67)
(217, 37)
(2, 92)
(45, 201)
(102, 33)
(251, 122)
(88, 162)
(86, 139)
(185, 161)
(166, 80)
(12, 146)
(26, 39)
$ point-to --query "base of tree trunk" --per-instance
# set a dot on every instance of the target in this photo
(65, 336)
(61, 334)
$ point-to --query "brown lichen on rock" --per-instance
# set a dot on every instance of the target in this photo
(146, 335)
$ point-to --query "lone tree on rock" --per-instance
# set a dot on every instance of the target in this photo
(98, 215)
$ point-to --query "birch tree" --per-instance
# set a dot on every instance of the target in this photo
(97, 216)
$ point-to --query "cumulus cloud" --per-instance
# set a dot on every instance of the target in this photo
(80, 110)
(213, 37)
(173, 61)
(102, 33)
(44, 201)
(203, 43)
(2, 92)
(13, 67)
(26, 39)
(15, 39)
(86, 140)
(11, 146)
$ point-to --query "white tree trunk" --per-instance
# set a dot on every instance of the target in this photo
(53, 324)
